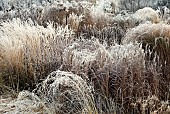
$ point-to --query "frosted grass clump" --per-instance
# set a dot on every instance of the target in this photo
(18, 28)
(82, 55)
(90, 53)
(101, 10)
(15, 35)
(125, 21)
(129, 53)
(108, 6)
(26, 103)
(74, 21)
(147, 14)
(26, 49)
(65, 92)
(79, 56)
(31, 39)
(147, 31)
(130, 75)
(101, 13)
(114, 70)
(155, 39)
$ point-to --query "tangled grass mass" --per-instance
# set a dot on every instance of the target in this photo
(84, 57)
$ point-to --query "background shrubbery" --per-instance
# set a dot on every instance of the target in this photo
(106, 56)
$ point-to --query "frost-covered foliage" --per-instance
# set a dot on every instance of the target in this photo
(22, 9)
(63, 14)
(27, 48)
(26, 103)
(64, 92)
(155, 40)
(153, 104)
(105, 6)
(125, 20)
(101, 13)
(157, 36)
(85, 52)
(19, 38)
(60, 11)
(112, 70)
(147, 13)
(147, 30)
(109, 35)
(111, 45)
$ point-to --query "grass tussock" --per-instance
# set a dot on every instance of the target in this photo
(156, 36)
(26, 49)
(65, 92)
(147, 13)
